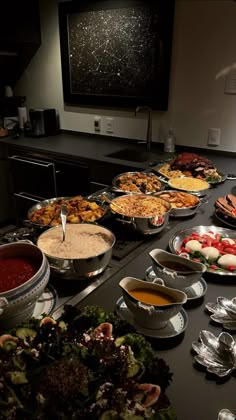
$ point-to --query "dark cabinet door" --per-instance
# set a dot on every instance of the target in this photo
(33, 176)
(72, 178)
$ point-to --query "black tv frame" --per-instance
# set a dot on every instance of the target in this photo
(157, 97)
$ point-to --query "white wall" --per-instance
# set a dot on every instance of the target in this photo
(204, 53)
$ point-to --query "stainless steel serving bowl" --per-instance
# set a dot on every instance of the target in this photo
(144, 189)
(199, 191)
(45, 203)
(81, 268)
(182, 211)
(146, 225)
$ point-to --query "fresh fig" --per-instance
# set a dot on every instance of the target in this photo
(47, 320)
(104, 330)
(152, 393)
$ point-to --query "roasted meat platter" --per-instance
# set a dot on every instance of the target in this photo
(225, 209)
(191, 165)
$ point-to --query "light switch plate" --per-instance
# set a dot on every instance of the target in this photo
(230, 84)
(214, 136)
(109, 125)
(97, 123)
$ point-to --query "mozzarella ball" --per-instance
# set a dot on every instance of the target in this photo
(210, 253)
(231, 241)
(227, 259)
(193, 245)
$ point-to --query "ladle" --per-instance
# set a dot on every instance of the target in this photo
(63, 220)
(105, 198)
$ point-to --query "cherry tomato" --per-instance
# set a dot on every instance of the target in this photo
(231, 267)
(229, 250)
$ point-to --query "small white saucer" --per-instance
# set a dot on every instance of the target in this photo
(175, 325)
(46, 303)
(196, 291)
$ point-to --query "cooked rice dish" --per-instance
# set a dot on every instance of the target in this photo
(82, 241)
(140, 206)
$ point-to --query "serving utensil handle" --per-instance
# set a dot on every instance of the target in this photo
(63, 220)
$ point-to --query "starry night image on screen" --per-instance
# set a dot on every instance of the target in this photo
(113, 52)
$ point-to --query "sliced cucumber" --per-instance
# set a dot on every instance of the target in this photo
(25, 333)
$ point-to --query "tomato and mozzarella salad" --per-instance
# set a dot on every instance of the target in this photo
(212, 249)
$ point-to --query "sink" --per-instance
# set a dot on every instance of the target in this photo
(133, 155)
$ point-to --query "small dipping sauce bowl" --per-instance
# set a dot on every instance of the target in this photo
(152, 305)
(176, 272)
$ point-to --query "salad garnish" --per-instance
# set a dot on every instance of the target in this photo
(87, 365)
(214, 250)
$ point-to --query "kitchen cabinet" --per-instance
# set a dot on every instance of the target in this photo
(20, 37)
(101, 173)
(36, 178)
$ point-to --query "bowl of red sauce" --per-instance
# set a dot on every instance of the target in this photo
(24, 274)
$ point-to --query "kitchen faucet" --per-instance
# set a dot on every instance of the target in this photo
(149, 125)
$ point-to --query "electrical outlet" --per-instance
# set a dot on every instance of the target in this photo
(214, 136)
(109, 125)
(97, 123)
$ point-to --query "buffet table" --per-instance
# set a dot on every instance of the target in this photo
(194, 393)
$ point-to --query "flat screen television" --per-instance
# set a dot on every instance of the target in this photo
(116, 53)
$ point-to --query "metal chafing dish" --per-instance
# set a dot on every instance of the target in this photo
(146, 225)
(182, 211)
(200, 192)
(142, 187)
(59, 200)
(81, 268)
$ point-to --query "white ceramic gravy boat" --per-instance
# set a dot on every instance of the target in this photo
(149, 315)
(175, 278)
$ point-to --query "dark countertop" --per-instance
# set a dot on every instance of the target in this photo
(194, 394)
(86, 147)
(82, 146)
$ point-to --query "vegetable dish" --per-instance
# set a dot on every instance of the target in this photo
(138, 182)
(79, 210)
(88, 365)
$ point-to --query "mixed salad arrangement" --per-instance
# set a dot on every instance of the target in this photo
(87, 365)
(212, 249)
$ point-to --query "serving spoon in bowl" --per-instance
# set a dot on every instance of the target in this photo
(111, 202)
(63, 220)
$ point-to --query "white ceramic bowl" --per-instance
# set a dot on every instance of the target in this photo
(151, 316)
(21, 300)
(174, 277)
